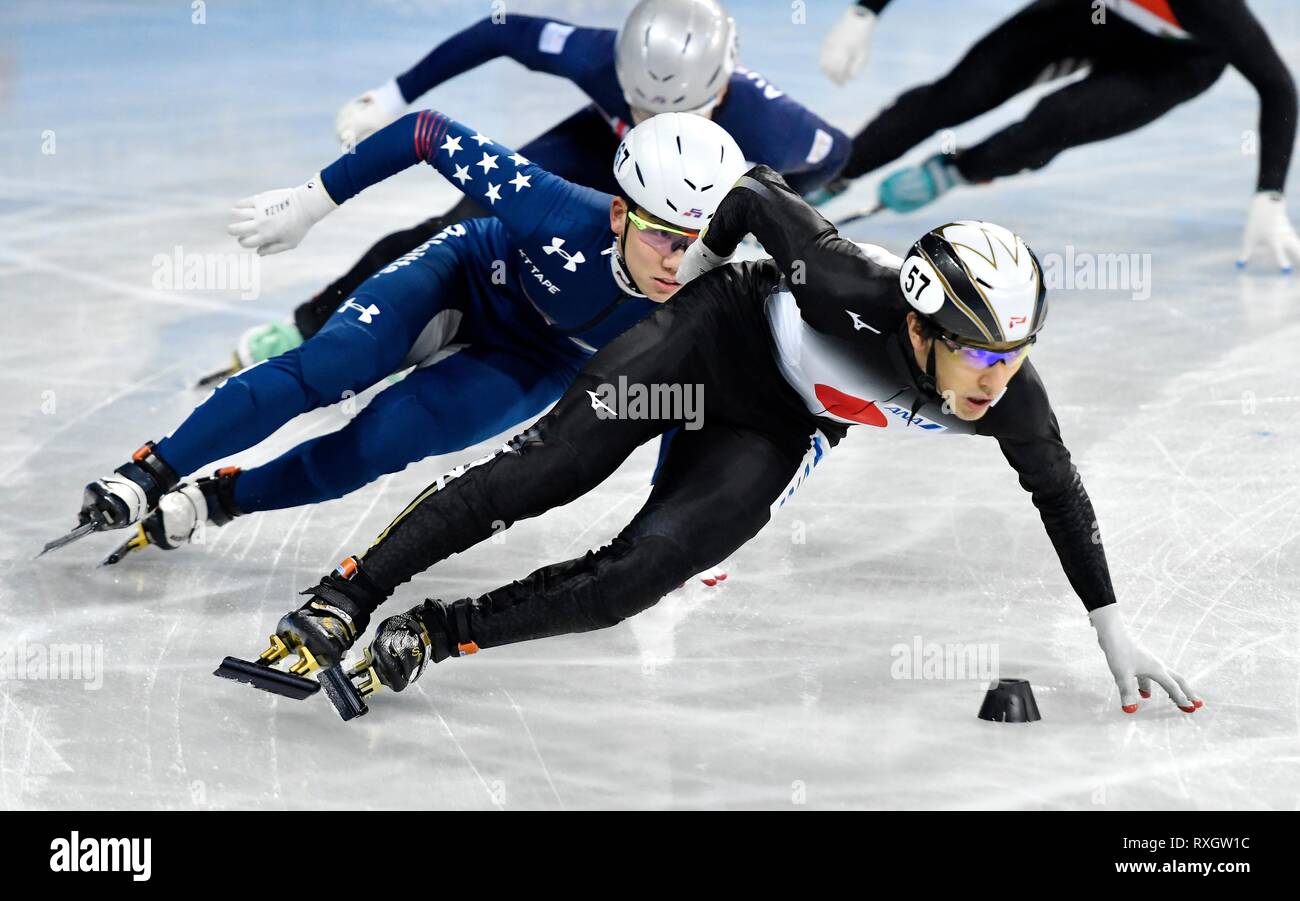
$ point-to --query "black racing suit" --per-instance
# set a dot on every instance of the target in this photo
(789, 353)
(1146, 58)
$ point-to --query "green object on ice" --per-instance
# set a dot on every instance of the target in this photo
(270, 340)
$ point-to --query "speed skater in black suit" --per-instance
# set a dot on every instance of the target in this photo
(790, 353)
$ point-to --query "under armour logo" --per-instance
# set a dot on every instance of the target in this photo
(597, 404)
(858, 324)
(571, 261)
(368, 314)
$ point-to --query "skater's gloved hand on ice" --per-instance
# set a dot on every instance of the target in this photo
(362, 116)
(847, 46)
(1268, 225)
(275, 221)
(1134, 667)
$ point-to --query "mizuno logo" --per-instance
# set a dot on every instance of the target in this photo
(858, 324)
(598, 405)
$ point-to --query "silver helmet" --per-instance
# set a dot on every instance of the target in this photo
(675, 55)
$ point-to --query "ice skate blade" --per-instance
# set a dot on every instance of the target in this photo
(136, 542)
(267, 678)
(80, 531)
(342, 693)
(214, 379)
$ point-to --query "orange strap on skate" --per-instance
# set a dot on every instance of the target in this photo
(347, 568)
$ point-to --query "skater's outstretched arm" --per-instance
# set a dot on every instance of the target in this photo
(541, 44)
(1027, 432)
(848, 44)
(1230, 26)
(522, 195)
(1030, 438)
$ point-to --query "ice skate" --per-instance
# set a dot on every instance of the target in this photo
(182, 515)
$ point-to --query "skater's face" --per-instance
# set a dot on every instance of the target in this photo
(652, 256)
(968, 385)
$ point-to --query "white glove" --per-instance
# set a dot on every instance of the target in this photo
(1134, 667)
(696, 261)
(1268, 224)
(275, 221)
(846, 48)
(363, 116)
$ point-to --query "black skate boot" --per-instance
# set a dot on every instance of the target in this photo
(407, 643)
(183, 513)
(404, 646)
(324, 629)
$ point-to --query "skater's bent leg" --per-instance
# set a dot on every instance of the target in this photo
(312, 315)
(457, 402)
(567, 453)
(360, 345)
(1109, 102)
(714, 494)
(563, 456)
(1000, 65)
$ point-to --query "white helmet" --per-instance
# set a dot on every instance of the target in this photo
(978, 282)
(675, 55)
(678, 167)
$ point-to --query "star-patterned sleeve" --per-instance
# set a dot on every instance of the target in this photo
(522, 195)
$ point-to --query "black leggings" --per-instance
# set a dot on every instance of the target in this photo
(1134, 78)
(580, 149)
(716, 490)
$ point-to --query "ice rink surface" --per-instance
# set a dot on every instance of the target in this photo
(126, 130)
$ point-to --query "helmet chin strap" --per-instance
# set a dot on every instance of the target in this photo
(622, 274)
(929, 382)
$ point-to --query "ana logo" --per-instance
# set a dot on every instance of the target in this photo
(1016, 320)
(571, 261)
(368, 314)
(911, 419)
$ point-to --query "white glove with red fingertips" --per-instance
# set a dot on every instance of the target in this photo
(1134, 667)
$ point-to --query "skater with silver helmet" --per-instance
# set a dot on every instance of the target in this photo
(669, 56)
(826, 335)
